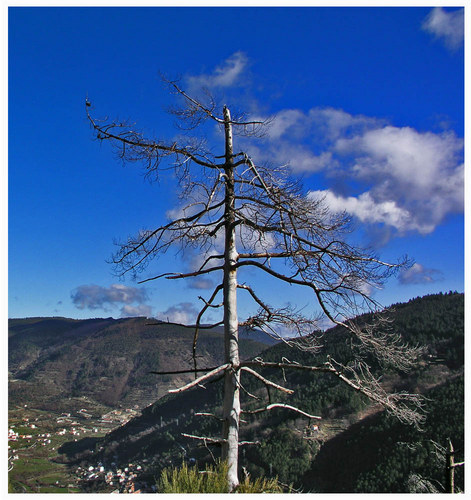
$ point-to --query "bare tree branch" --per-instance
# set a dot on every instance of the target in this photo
(179, 372)
(133, 147)
(205, 439)
(406, 407)
(244, 443)
(266, 381)
(203, 414)
(177, 276)
(198, 320)
(199, 380)
(281, 405)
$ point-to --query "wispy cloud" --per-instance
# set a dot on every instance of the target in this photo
(201, 283)
(446, 25)
(99, 297)
(305, 140)
(134, 311)
(366, 209)
(183, 313)
(224, 75)
(419, 274)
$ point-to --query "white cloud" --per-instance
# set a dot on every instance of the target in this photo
(225, 75)
(299, 157)
(446, 25)
(304, 140)
(366, 209)
(419, 177)
(410, 180)
(134, 311)
(419, 274)
(325, 124)
(183, 313)
(412, 158)
(286, 120)
(331, 123)
(99, 297)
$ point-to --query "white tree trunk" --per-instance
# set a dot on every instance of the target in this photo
(231, 410)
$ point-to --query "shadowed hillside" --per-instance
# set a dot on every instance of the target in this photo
(356, 447)
(105, 360)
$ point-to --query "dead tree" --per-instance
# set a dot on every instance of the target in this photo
(450, 468)
(240, 214)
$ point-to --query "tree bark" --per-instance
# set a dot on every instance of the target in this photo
(231, 410)
(450, 468)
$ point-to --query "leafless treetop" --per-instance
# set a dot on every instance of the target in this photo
(280, 231)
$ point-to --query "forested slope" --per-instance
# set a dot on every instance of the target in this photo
(355, 441)
(380, 455)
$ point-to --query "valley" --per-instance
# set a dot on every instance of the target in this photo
(87, 440)
(74, 381)
(34, 438)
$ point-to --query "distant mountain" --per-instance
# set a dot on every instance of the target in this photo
(252, 334)
(107, 360)
(358, 447)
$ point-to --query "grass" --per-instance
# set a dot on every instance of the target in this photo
(190, 480)
(29, 474)
(52, 478)
(58, 489)
(259, 485)
(212, 480)
(31, 465)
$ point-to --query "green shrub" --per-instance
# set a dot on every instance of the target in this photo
(190, 480)
(260, 485)
(213, 479)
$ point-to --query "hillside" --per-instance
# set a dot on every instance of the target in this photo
(106, 360)
(379, 455)
(356, 447)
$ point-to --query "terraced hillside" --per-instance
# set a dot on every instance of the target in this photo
(107, 360)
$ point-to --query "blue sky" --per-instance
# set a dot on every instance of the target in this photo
(369, 106)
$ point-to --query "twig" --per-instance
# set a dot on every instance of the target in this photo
(280, 405)
(205, 439)
(201, 379)
(178, 372)
(203, 414)
(266, 381)
(296, 366)
(242, 443)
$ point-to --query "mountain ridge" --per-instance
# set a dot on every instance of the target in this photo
(289, 449)
(107, 359)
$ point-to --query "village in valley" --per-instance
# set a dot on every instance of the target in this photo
(38, 441)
